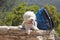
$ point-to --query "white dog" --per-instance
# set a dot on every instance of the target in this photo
(29, 21)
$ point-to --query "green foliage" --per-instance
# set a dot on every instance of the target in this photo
(9, 18)
(20, 10)
(58, 30)
(1, 23)
(34, 8)
(15, 17)
(58, 27)
(58, 14)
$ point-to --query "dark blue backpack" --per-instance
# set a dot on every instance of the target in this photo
(44, 20)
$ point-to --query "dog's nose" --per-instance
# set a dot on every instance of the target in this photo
(31, 19)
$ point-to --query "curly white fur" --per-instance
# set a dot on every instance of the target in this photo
(29, 21)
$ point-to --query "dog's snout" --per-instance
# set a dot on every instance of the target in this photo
(31, 19)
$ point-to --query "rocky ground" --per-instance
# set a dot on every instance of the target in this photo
(15, 33)
(57, 37)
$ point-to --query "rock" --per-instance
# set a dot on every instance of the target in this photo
(16, 33)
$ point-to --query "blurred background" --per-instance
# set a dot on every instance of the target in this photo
(11, 11)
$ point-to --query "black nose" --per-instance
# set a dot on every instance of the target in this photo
(31, 19)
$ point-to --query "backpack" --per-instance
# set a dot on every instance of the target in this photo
(44, 20)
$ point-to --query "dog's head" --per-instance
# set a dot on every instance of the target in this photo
(29, 16)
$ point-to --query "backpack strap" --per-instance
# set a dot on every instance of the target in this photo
(50, 19)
